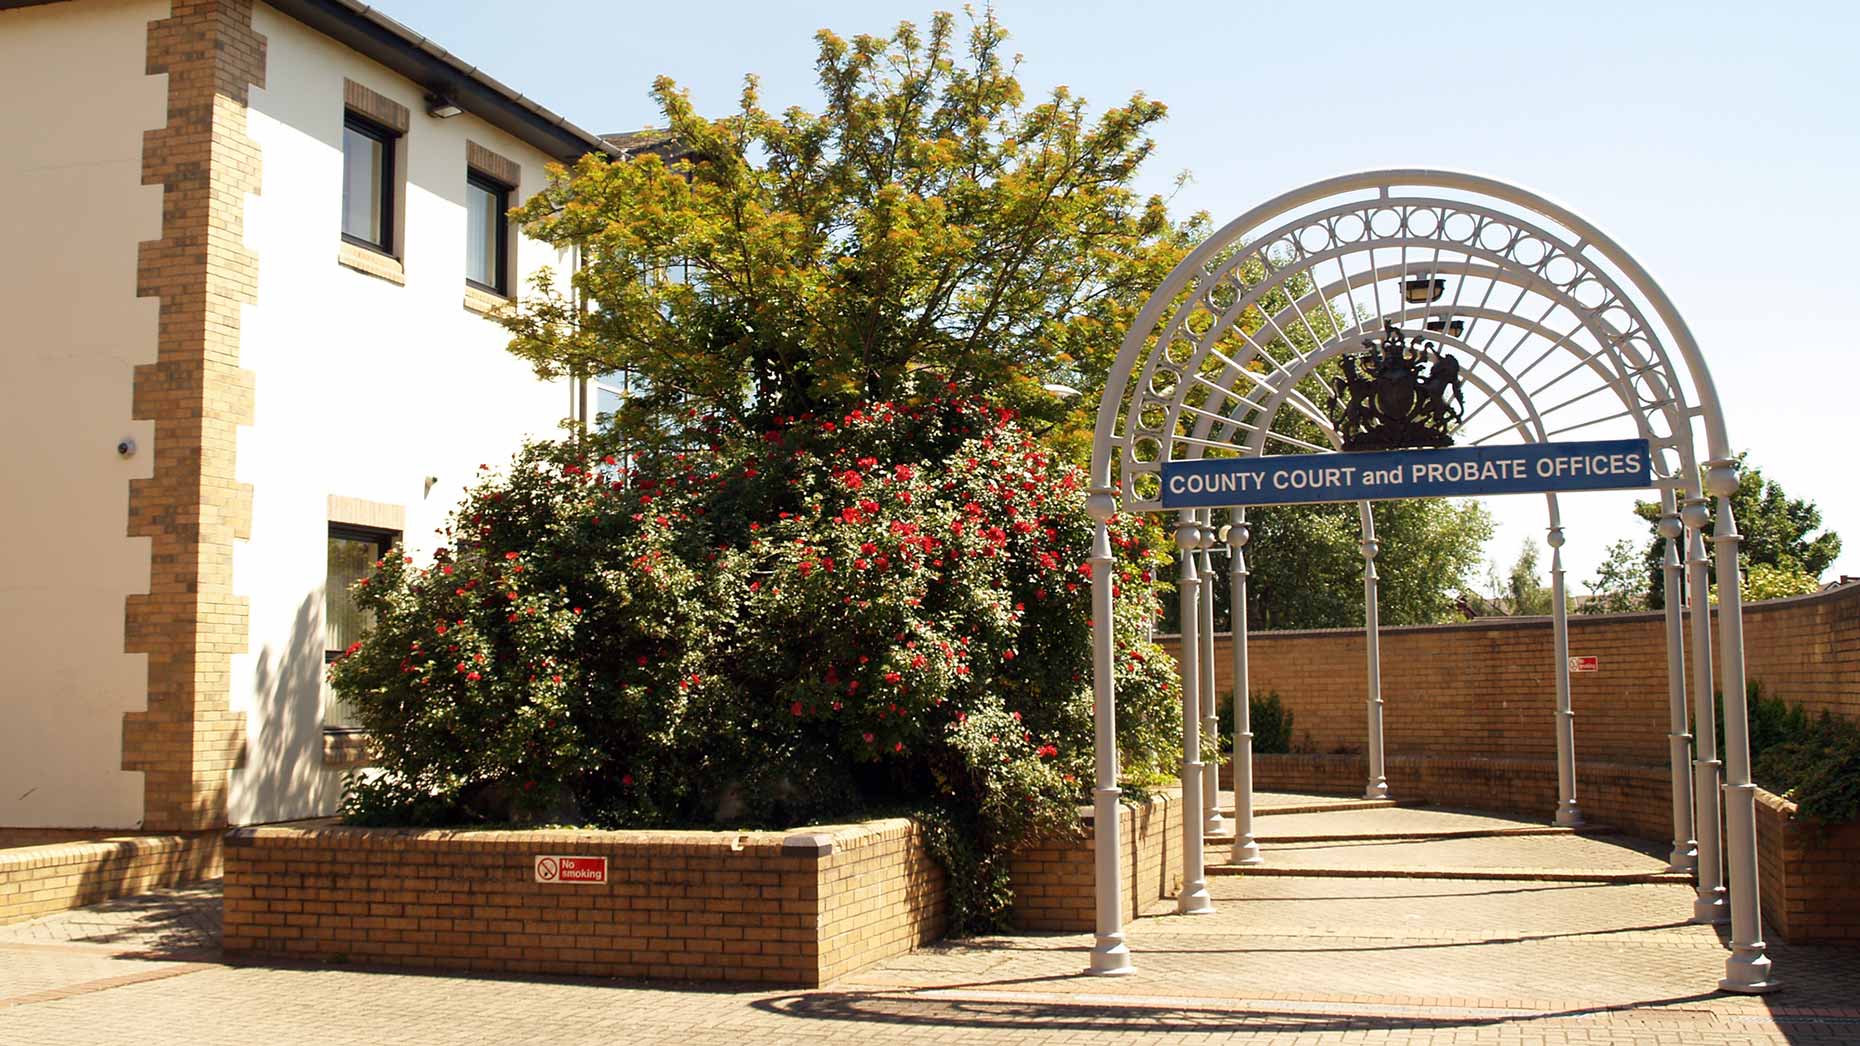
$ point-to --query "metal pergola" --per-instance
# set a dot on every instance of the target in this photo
(1563, 333)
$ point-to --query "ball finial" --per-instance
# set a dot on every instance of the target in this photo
(1721, 478)
(1187, 536)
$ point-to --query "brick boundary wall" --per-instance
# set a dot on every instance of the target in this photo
(1053, 881)
(192, 507)
(797, 909)
(1486, 687)
(54, 877)
(1809, 874)
(1635, 799)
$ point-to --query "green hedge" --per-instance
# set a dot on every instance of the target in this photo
(1267, 715)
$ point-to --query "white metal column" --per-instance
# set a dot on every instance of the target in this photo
(1246, 849)
(1708, 906)
(1567, 813)
(1109, 953)
(1378, 787)
(1748, 967)
(1193, 900)
(1684, 857)
(1211, 822)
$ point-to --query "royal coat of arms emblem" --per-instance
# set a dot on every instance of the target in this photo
(1400, 393)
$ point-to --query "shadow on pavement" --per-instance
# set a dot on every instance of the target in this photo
(1049, 1016)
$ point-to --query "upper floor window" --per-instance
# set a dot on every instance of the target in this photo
(487, 234)
(367, 183)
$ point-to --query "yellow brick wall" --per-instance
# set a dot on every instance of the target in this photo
(190, 623)
(681, 905)
(1053, 881)
(53, 877)
(1486, 688)
(1810, 875)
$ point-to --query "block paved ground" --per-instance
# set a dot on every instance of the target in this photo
(1299, 960)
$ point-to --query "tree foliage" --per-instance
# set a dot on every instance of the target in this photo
(1305, 563)
(1525, 592)
(1780, 533)
(926, 226)
(1618, 586)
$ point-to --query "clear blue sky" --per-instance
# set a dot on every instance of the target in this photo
(1718, 142)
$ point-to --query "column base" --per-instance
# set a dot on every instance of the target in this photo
(1214, 824)
(1747, 971)
(1111, 957)
(1684, 859)
(1377, 790)
(1711, 910)
(1246, 852)
(1568, 815)
(1194, 899)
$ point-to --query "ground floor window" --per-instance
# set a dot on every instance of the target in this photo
(353, 553)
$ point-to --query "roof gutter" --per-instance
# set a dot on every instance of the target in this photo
(376, 36)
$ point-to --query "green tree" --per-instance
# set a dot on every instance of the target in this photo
(1781, 533)
(924, 229)
(927, 229)
(1520, 591)
(1762, 581)
(1305, 563)
(1617, 588)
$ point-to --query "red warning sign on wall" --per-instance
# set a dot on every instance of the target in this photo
(1591, 663)
(560, 869)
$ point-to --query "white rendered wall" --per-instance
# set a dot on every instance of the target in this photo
(364, 388)
(74, 102)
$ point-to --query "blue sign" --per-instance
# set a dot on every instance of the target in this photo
(1293, 479)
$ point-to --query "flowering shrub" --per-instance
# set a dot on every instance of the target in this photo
(883, 610)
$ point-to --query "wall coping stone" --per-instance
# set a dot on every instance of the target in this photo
(107, 845)
(822, 841)
(1833, 594)
(1786, 807)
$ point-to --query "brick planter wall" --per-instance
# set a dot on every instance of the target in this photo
(1810, 875)
(1053, 887)
(790, 909)
(53, 877)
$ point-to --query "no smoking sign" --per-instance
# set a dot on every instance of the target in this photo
(558, 869)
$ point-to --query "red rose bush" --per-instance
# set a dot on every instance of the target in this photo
(877, 612)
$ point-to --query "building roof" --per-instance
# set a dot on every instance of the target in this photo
(368, 31)
(648, 140)
(378, 37)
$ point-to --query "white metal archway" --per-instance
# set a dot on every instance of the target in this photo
(1564, 333)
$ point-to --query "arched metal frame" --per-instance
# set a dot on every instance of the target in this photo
(1563, 332)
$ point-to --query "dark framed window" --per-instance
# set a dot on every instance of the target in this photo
(487, 234)
(353, 553)
(367, 183)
